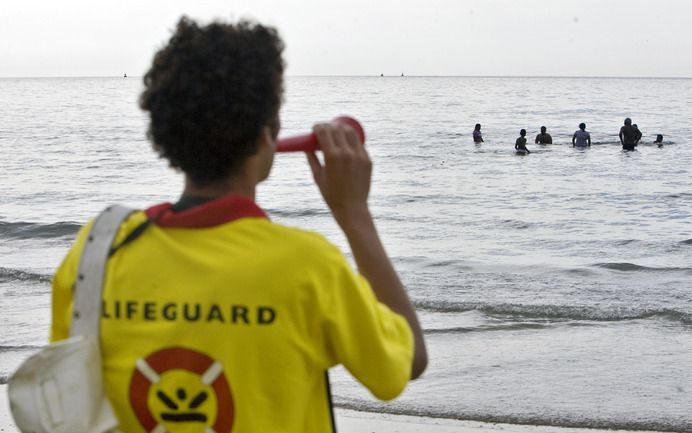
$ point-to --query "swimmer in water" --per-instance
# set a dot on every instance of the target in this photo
(629, 135)
(659, 140)
(477, 136)
(639, 136)
(581, 137)
(520, 144)
(544, 137)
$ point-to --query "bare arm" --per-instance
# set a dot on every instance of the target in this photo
(344, 181)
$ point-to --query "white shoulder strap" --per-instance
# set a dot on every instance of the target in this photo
(92, 270)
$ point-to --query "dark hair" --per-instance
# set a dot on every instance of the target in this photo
(522, 132)
(209, 93)
(659, 137)
(582, 126)
(542, 128)
(478, 126)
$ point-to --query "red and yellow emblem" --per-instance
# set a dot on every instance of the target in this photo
(176, 390)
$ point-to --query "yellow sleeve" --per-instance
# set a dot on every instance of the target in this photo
(62, 289)
(370, 340)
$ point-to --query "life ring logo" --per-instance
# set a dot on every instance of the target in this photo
(179, 390)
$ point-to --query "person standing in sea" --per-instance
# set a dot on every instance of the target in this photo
(477, 136)
(544, 137)
(636, 142)
(581, 137)
(520, 144)
(629, 135)
(209, 315)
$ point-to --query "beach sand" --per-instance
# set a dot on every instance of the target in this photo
(349, 421)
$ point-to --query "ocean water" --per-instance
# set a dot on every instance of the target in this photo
(554, 288)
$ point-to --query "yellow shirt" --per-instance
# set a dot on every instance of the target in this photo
(216, 319)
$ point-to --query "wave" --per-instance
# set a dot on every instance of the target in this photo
(581, 422)
(502, 327)
(631, 267)
(582, 272)
(21, 348)
(297, 212)
(457, 264)
(555, 312)
(448, 134)
(9, 274)
(651, 143)
(617, 142)
(680, 195)
(27, 230)
(517, 224)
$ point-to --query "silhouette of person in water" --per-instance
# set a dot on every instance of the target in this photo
(477, 136)
(581, 137)
(544, 137)
(629, 135)
(659, 140)
(636, 142)
(520, 144)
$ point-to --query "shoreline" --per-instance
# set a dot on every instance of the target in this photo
(351, 421)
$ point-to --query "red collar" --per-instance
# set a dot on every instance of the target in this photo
(219, 211)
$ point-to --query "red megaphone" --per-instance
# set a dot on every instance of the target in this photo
(308, 142)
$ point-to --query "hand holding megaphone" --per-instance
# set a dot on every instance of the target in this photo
(308, 142)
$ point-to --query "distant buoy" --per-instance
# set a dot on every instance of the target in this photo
(125, 76)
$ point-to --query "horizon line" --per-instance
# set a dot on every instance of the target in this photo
(387, 76)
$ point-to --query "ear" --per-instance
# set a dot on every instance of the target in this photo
(263, 159)
(266, 141)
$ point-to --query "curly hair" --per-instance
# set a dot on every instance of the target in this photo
(209, 93)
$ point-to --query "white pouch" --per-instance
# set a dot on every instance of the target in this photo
(59, 389)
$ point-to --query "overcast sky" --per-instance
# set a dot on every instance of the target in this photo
(365, 37)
